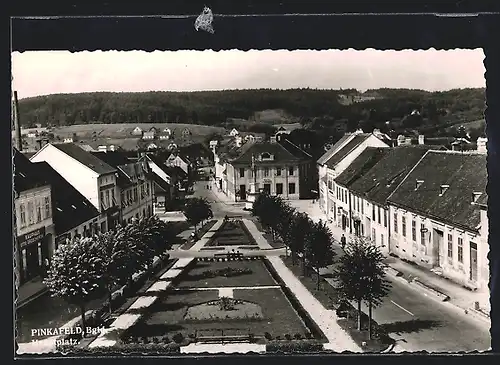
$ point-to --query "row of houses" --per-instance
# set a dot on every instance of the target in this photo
(63, 191)
(154, 133)
(423, 203)
(276, 166)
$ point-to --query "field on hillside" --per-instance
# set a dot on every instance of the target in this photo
(274, 116)
(125, 130)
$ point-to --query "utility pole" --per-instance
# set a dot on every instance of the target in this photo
(17, 124)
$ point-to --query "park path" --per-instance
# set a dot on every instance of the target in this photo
(338, 339)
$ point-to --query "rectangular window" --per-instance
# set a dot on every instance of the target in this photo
(373, 212)
(450, 246)
(382, 240)
(414, 230)
(22, 215)
(385, 218)
(38, 211)
(31, 213)
(290, 171)
(362, 207)
(113, 197)
(267, 188)
(279, 188)
(460, 250)
(291, 188)
(135, 194)
(266, 171)
(374, 236)
(122, 198)
(395, 222)
(47, 209)
(329, 184)
(379, 215)
(242, 172)
(357, 199)
(107, 199)
(403, 225)
(278, 173)
(422, 234)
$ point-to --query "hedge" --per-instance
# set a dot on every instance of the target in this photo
(131, 348)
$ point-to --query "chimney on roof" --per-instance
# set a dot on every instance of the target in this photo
(444, 188)
(418, 184)
(421, 139)
(482, 144)
(475, 196)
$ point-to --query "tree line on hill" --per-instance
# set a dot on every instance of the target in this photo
(316, 109)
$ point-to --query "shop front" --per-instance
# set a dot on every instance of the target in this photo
(34, 250)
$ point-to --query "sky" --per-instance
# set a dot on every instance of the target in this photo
(52, 72)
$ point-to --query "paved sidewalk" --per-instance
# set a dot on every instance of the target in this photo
(220, 197)
(207, 236)
(338, 339)
(459, 296)
(30, 291)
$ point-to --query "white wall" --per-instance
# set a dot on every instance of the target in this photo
(427, 256)
(332, 174)
(78, 175)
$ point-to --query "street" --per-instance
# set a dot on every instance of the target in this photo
(416, 321)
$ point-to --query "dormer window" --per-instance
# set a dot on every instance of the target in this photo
(444, 188)
(418, 184)
(266, 156)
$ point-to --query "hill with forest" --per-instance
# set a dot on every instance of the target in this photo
(325, 110)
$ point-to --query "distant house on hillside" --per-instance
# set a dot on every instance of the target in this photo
(172, 146)
(234, 132)
(149, 135)
(185, 133)
(163, 136)
(68, 140)
(152, 146)
(167, 131)
(153, 129)
(137, 131)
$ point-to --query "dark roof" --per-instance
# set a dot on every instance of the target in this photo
(162, 184)
(294, 149)
(28, 155)
(174, 171)
(381, 180)
(113, 158)
(344, 151)
(70, 208)
(464, 173)
(483, 201)
(326, 156)
(86, 158)
(280, 153)
(361, 165)
(26, 175)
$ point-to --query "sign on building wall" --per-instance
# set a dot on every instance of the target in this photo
(30, 238)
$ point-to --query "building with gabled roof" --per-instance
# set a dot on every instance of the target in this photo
(34, 222)
(73, 214)
(334, 161)
(95, 179)
(270, 166)
(369, 211)
(134, 184)
(435, 222)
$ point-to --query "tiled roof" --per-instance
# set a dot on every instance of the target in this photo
(26, 175)
(344, 151)
(70, 208)
(326, 156)
(381, 180)
(280, 153)
(464, 173)
(294, 149)
(85, 158)
(361, 165)
(119, 161)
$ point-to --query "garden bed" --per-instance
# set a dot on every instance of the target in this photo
(247, 273)
(231, 233)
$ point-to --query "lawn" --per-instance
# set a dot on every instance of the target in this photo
(168, 316)
(232, 234)
(197, 277)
